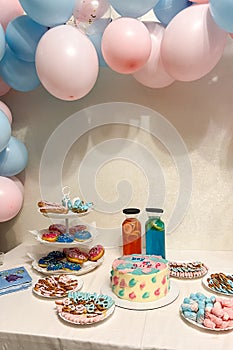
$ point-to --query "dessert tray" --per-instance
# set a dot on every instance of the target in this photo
(86, 267)
(187, 269)
(69, 215)
(219, 282)
(57, 286)
(55, 262)
(82, 308)
(194, 323)
(125, 304)
(207, 312)
(39, 233)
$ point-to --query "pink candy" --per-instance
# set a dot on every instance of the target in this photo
(221, 315)
(209, 324)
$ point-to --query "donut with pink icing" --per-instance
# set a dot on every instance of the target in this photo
(76, 256)
(50, 236)
(77, 228)
(96, 252)
(57, 227)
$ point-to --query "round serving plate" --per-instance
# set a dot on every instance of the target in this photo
(38, 236)
(131, 305)
(85, 321)
(206, 284)
(86, 267)
(59, 295)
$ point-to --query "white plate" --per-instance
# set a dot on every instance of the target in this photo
(202, 326)
(187, 278)
(86, 267)
(204, 281)
(107, 314)
(69, 215)
(38, 236)
(74, 277)
(168, 299)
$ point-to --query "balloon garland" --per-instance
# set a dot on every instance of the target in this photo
(62, 43)
(13, 159)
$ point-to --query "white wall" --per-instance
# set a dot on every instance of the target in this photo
(201, 112)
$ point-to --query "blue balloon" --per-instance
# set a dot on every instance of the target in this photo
(23, 35)
(165, 10)
(95, 33)
(5, 130)
(222, 13)
(49, 12)
(2, 42)
(133, 8)
(14, 158)
(18, 74)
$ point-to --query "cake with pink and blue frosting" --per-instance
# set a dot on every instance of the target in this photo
(140, 278)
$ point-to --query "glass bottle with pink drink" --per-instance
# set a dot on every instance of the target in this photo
(131, 232)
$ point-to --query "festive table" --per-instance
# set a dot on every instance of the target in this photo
(30, 322)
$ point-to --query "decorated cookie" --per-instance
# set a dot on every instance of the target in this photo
(84, 308)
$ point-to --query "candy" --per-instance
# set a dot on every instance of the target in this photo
(210, 311)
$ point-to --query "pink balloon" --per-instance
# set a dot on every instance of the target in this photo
(11, 199)
(18, 183)
(126, 45)
(153, 74)
(10, 9)
(90, 10)
(6, 111)
(192, 44)
(66, 62)
(4, 88)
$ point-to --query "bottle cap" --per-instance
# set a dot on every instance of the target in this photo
(128, 211)
(154, 210)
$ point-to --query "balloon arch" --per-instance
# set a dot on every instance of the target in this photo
(62, 43)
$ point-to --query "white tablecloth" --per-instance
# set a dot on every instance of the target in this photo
(28, 322)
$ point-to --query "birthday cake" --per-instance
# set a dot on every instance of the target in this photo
(140, 278)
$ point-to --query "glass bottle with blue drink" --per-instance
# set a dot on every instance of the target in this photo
(155, 232)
